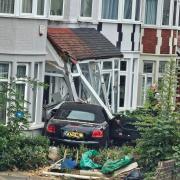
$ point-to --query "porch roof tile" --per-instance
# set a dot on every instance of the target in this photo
(82, 43)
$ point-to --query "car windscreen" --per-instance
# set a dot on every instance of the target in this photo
(78, 115)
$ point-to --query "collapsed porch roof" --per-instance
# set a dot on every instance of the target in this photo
(82, 43)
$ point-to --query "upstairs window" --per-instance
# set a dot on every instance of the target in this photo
(40, 7)
(7, 6)
(175, 13)
(151, 11)
(127, 9)
(56, 8)
(86, 8)
(138, 9)
(27, 6)
(166, 12)
(110, 9)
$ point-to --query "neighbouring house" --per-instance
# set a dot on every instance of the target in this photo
(106, 52)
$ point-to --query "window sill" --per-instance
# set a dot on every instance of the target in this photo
(159, 27)
(119, 21)
(23, 16)
(34, 126)
(85, 19)
(55, 18)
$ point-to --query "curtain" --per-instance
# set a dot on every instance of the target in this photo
(166, 11)
(7, 6)
(151, 11)
(21, 71)
(40, 7)
(110, 9)
(4, 69)
(27, 6)
(86, 8)
(174, 13)
(56, 7)
(138, 8)
(127, 9)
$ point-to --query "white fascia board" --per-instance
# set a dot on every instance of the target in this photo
(54, 54)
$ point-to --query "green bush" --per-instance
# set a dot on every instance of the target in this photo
(159, 125)
(23, 152)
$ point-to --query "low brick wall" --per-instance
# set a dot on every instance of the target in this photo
(166, 170)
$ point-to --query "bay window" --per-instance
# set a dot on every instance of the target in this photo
(128, 9)
(151, 11)
(56, 8)
(166, 12)
(86, 8)
(7, 6)
(27, 6)
(110, 9)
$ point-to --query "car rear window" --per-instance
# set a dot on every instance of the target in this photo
(75, 115)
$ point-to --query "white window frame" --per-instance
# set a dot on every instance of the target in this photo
(177, 14)
(45, 8)
(83, 18)
(158, 17)
(15, 10)
(109, 20)
(133, 12)
(7, 81)
(34, 9)
(170, 12)
(55, 17)
(21, 80)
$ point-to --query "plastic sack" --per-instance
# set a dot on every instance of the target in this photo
(111, 166)
(86, 161)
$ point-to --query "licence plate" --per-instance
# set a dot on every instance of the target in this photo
(72, 134)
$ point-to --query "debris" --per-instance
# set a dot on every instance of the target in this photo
(110, 166)
(53, 153)
(86, 161)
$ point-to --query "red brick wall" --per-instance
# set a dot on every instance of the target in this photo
(149, 40)
(165, 34)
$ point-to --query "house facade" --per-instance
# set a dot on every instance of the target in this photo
(144, 31)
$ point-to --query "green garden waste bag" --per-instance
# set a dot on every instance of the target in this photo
(86, 161)
(111, 166)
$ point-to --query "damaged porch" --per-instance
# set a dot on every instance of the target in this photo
(82, 65)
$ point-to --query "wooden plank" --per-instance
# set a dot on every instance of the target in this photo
(70, 175)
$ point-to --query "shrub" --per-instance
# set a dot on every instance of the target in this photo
(159, 127)
(23, 152)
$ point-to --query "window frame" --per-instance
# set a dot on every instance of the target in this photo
(21, 80)
(177, 15)
(10, 14)
(133, 12)
(7, 81)
(34, 9)
(55, 17)
(144, 15)
(83, 18)
(109, 20)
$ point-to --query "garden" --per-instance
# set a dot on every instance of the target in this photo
(158, 123)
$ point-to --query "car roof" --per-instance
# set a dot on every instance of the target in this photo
(97, 110)
(81, 106)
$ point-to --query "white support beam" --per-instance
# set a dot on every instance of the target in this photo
(93, 92)
(54, 75)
